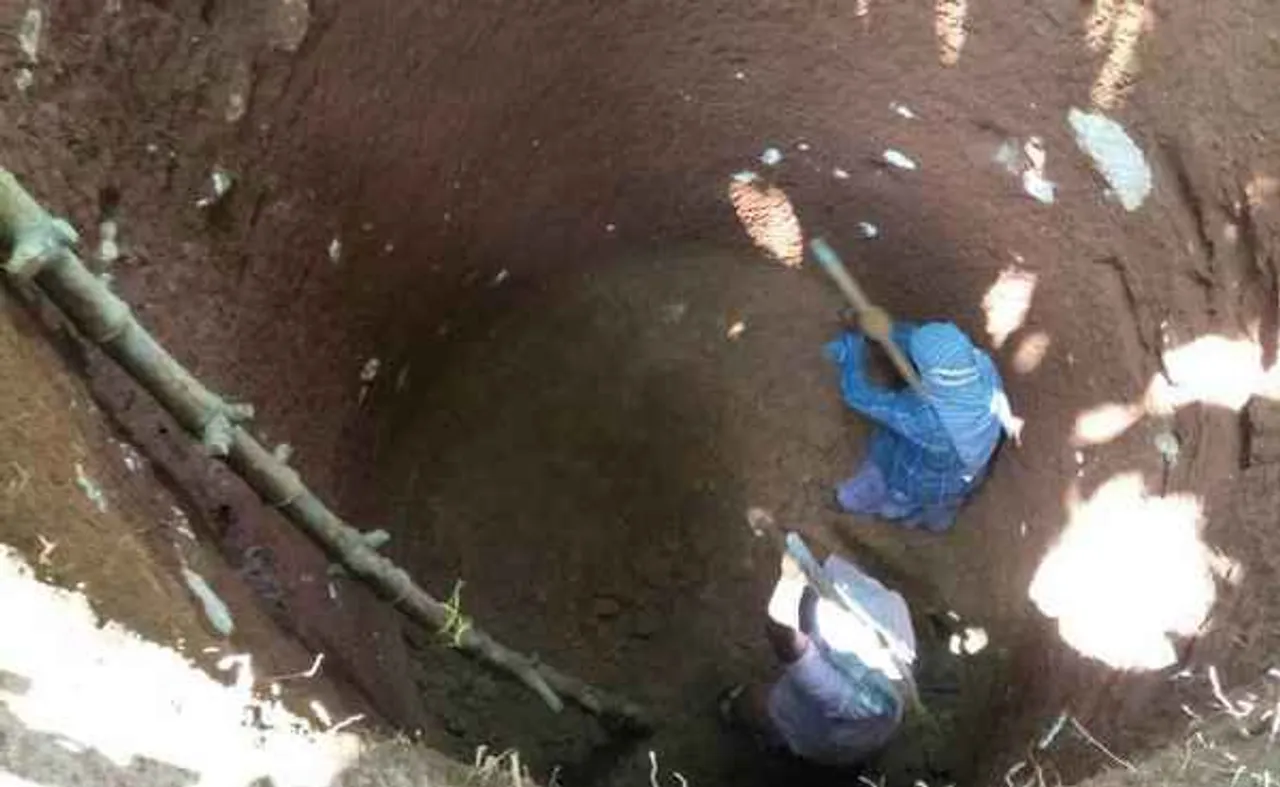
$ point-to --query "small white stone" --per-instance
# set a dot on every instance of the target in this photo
(221, 182)
(1115, 155)
(902, 110)
(899, 159)
(91, 489)
(501, 276)
(335, 251)
(132, 459)
(736, 330)
(29, 33)
(1037, 187)
(24, 79)
(108, 247)
(971, 641)
(739, 75)
(611, 227)
(802, 146)
(771, 157)
(840, 174)
(868, 230)
(1166, 443)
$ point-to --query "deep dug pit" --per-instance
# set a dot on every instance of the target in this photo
(585, 374)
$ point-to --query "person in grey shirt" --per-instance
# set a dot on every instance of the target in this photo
(820, 709)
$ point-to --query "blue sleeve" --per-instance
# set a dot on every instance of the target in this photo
(902, 333)
(903, 412)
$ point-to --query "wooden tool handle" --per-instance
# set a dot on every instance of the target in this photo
(875, 321)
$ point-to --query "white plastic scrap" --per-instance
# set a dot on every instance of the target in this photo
(971, 641)
(745, 176)
(29, 33)
(771, 157)
(91, 489)
(132, 459)
(868, 230)
(1027, 162)
(1115, 155)
(29, 42)
(902, 110)
(108, 244)
(215, 609)
(760, 521)
(840, 174)
(1033, 180)
(335, 251)
(1039, 188)
(368, 373)
(220, 182)
(899, 159)
(1166, 443)
(179, 522)
(1007, 156)
(736, 330)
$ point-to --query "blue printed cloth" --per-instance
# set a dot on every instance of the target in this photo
(930, 449)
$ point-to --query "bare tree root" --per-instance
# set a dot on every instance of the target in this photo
(41, 254)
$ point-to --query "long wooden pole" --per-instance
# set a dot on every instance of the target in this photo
(876, 323)
(41, 253)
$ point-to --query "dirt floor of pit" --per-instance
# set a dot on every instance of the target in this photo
(391, 161)
(592, 457)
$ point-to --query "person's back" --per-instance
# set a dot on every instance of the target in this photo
(820, 712)
(932, 446)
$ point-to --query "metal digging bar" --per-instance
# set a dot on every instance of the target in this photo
(41, 253)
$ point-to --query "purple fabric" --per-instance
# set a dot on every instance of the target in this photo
(814, 706)
(867, 493)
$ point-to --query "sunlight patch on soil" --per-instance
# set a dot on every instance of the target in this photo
(103, 688)
(1212, 370)
(768, 218)
(1007, 302)
(1104, 423)
(950, 18)
(1127, 575)
(1262, 190)
(1116, 26)
(1031, 352)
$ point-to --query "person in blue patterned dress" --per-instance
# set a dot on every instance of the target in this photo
(930, 447)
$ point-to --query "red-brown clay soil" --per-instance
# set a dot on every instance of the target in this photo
(521, 212)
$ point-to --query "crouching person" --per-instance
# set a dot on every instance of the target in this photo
(846, 677)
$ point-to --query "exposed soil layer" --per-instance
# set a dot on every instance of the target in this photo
(89, 511)
(521, 213)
